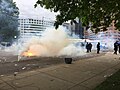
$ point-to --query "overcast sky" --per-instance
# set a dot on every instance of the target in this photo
(26, 9)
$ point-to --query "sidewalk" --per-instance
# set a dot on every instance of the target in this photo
(83, 74)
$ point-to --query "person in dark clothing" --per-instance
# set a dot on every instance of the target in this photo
(98, 48)
(119, 46)
(87, 47)
(115, 47)
(90, 47)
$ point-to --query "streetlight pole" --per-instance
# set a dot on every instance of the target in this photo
(18, 57)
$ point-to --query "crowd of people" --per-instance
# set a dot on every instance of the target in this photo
(116, 47)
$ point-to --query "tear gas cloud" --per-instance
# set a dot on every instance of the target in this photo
(52, 43)
(56, 43)
(107, 41)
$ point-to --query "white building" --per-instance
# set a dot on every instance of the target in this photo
(31, 26)
(76, 29)
(110, 34)
(70, 27)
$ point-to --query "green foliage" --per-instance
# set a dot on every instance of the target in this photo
(8, 20)
(99, 12)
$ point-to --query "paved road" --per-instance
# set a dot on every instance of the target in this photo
(10, 65)
(80, 75)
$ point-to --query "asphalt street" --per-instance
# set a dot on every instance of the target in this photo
(10, 65)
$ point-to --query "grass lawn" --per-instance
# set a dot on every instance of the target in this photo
(111, 83)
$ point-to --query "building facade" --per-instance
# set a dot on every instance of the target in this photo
(75, 29)
(79, 30)
(30, 26)
(110, 34)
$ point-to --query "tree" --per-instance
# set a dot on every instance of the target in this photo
(8, 20)
(99, 12)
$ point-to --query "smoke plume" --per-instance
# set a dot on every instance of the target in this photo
(52, 43)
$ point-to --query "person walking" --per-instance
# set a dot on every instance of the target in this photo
(90, 47)
(98, 48)
(115, 47)
(87, 47)
(119, 46)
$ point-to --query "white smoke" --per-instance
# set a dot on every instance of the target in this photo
(72, 51)
(52, 43)
(106, 41)
(56, 43)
